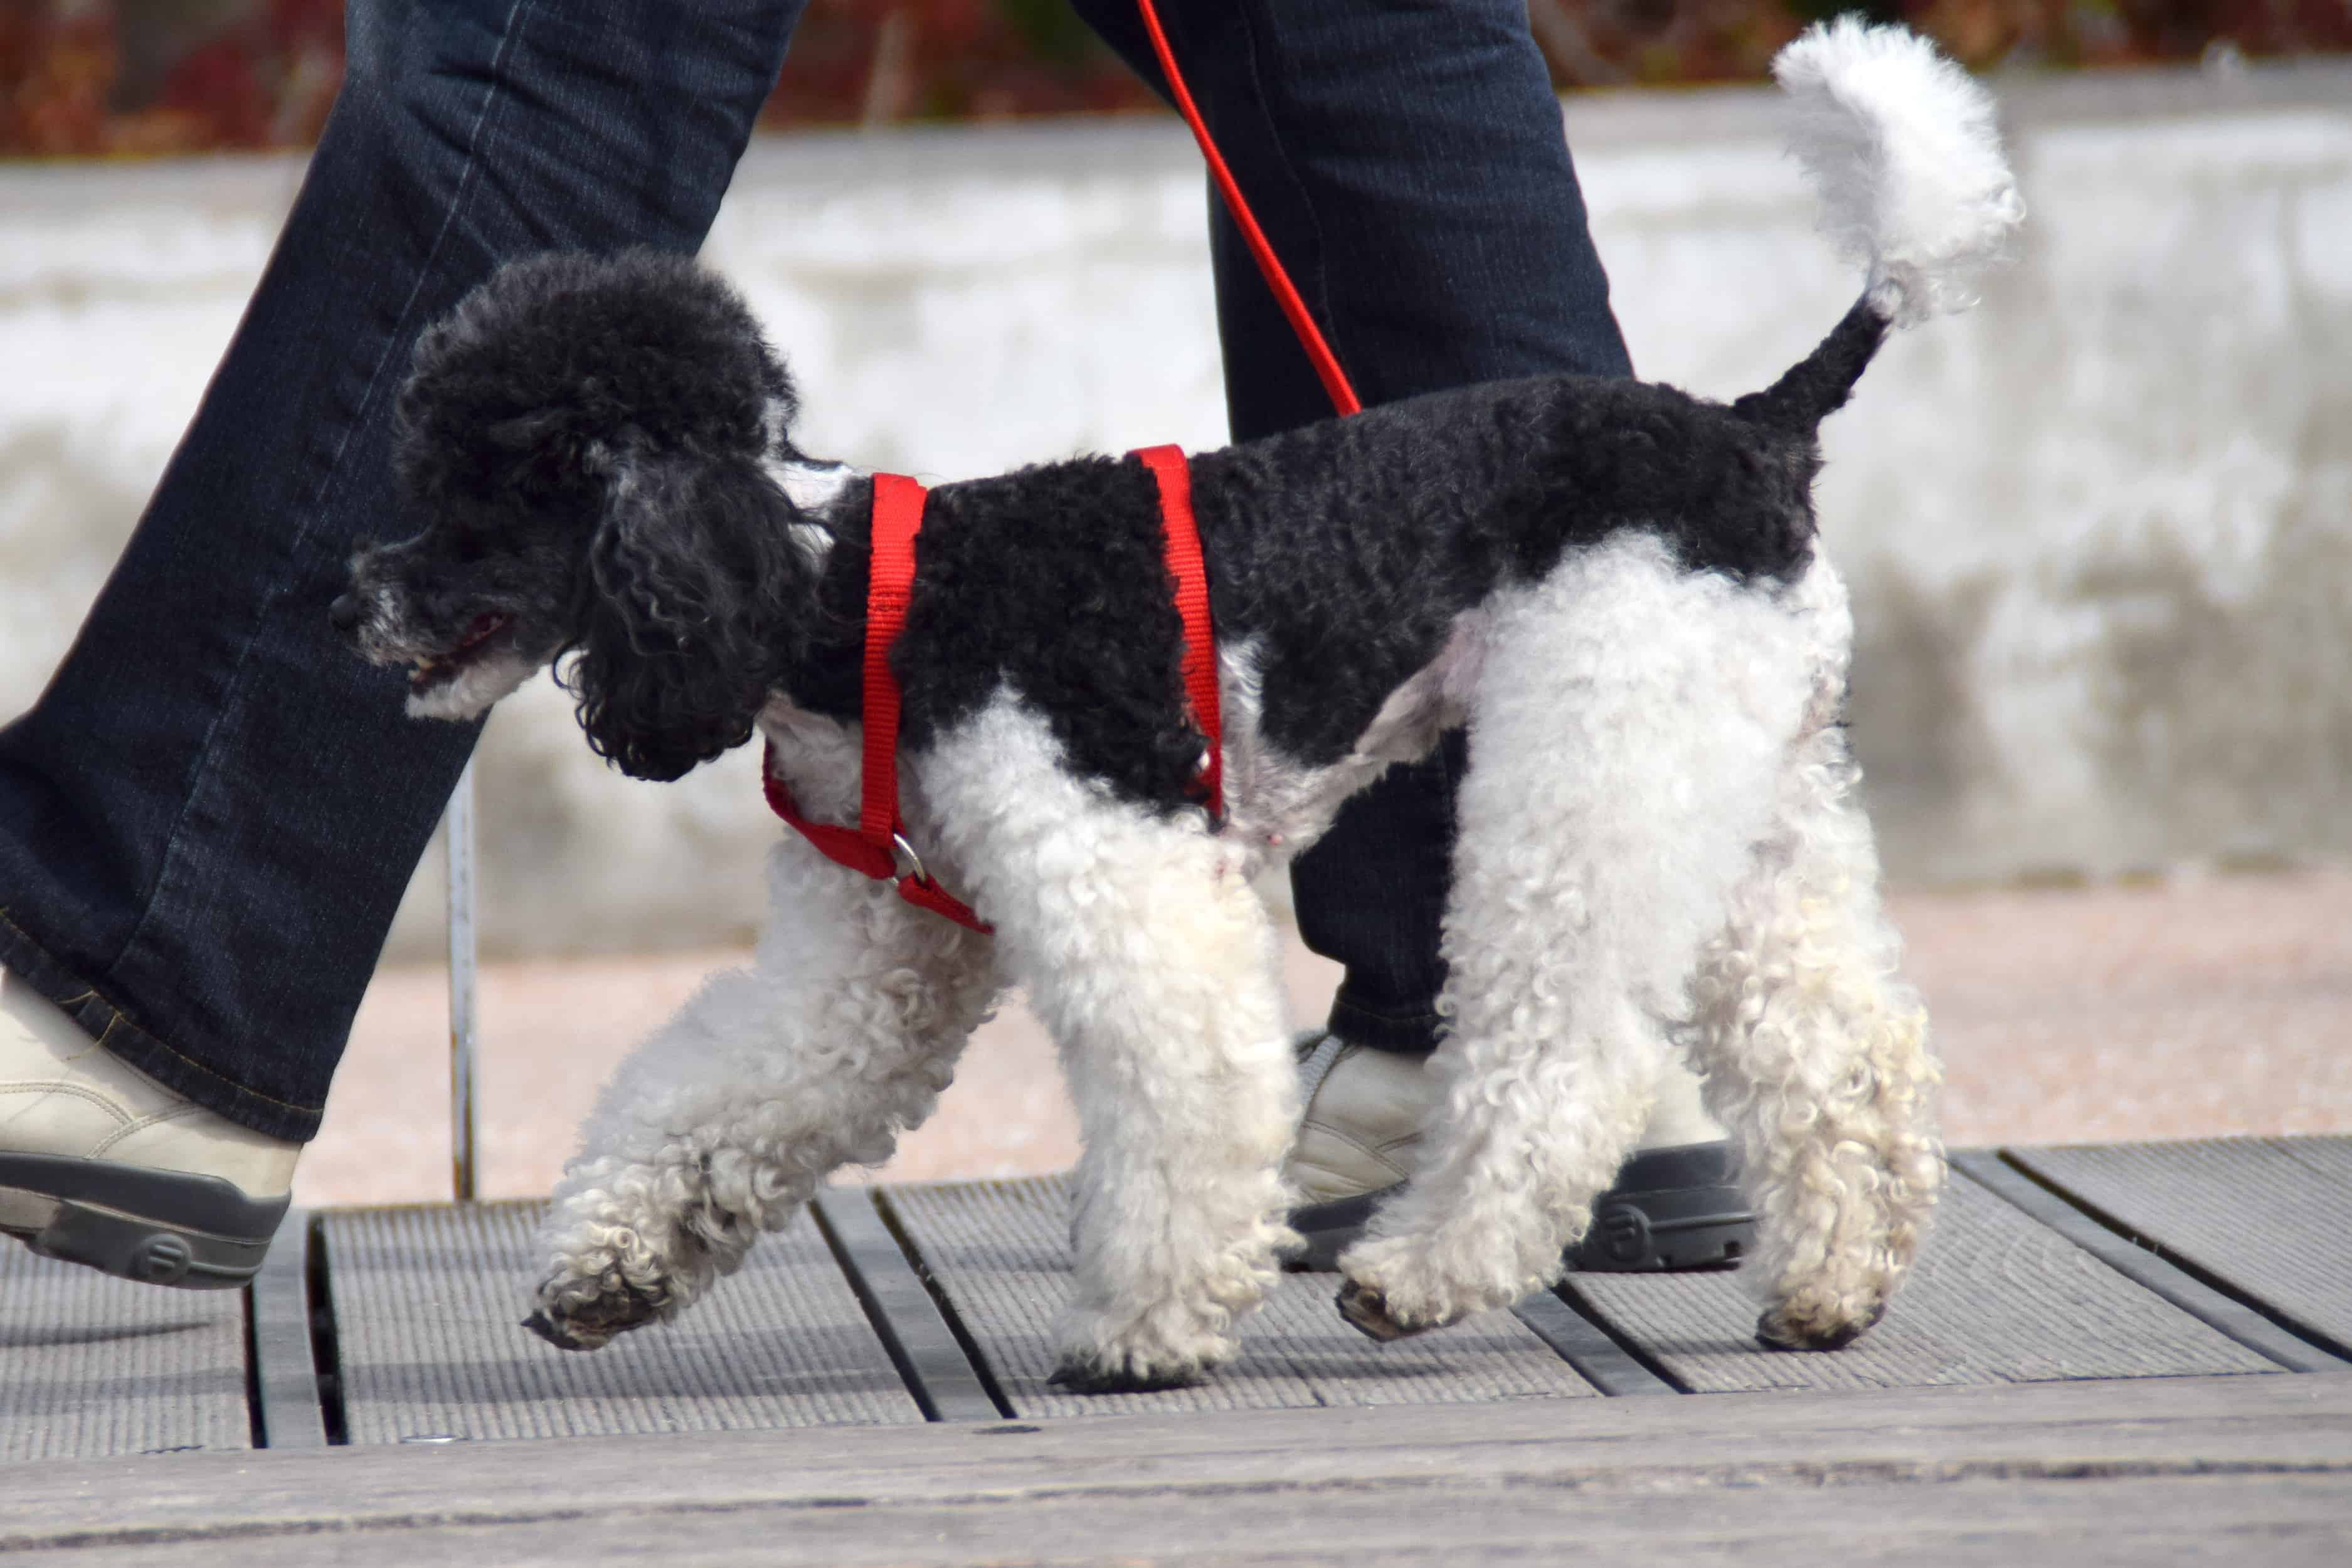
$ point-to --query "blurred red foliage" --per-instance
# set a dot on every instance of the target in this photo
(131, 78)
(863, 61)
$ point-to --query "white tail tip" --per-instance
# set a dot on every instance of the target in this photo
(1900, 144)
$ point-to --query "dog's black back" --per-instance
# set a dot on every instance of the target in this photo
(1346, 550)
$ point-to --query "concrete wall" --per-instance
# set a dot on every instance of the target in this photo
(2100, 531)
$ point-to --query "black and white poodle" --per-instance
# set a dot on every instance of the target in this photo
(1618, 588)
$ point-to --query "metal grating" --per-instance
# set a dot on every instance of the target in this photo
(1995, 1298)
(91, 1366)
(999, 1251)
(428, 1303)
(2272, 1216)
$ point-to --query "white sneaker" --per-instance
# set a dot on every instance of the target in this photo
(101, 1165)
(1360, 1121)
(1676, 1203)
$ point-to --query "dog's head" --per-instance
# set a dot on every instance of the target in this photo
(582, 442)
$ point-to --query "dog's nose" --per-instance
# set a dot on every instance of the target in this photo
(344, 612)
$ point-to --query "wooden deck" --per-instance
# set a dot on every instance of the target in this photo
(2134, 1353)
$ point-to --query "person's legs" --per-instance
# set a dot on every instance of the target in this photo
(208, 818)
(210, 814)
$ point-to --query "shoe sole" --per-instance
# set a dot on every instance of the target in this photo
(158, 1227)
(1670, 1210)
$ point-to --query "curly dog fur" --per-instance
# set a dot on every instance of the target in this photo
(1618, 588)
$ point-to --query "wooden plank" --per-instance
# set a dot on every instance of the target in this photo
(900, 1305)
(2268, 1218)
(1995, 1298)
(2138, 1426)
(2147, 1268)
(2223, 1522)
(1000, 1253)
(428, 1304)
(2150, 1471)
(285, 1373)
(91, 1365)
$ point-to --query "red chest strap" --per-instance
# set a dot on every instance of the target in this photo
(877, 846)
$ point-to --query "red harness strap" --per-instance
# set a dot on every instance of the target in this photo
(1184, 563)
(877, 846)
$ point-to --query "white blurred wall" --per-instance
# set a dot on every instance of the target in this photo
(2100, 531)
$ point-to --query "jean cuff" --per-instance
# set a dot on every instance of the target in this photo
(119, 1035)
(1413, 1033)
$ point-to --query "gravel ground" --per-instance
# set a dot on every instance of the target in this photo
(2186, 1008)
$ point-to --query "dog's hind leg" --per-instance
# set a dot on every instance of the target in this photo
(841, 1034)
(1626, 728)
(1817, 1060)
(1147, 954)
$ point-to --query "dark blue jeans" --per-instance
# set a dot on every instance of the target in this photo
(208, 818)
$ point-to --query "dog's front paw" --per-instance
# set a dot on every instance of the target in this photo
(577, 1314)
(1369, 1310)
(1788, 1328)
(1094, 1374)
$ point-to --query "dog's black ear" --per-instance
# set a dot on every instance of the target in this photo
(684, 614)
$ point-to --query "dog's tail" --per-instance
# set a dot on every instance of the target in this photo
(1901, 146)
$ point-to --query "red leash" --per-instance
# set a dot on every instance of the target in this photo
(1327, 363)
(877, 846)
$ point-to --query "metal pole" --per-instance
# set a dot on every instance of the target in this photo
(461, 987)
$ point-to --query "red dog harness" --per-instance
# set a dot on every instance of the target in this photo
(877, 846)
